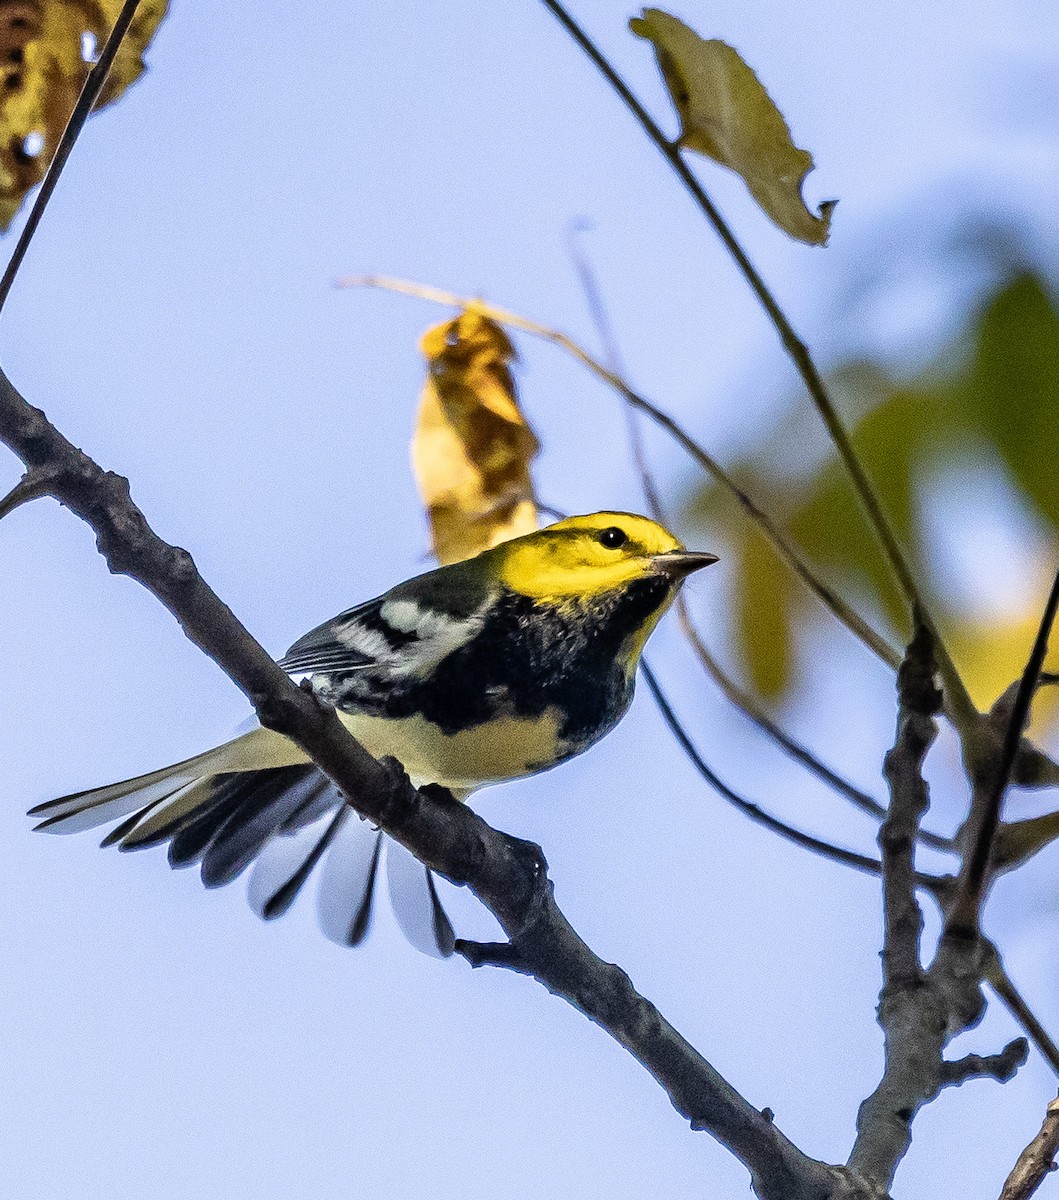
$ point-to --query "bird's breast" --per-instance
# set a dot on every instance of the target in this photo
(504, 748)
(533, 687)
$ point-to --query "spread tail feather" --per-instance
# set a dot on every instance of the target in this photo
(97, 806)
(257, 800)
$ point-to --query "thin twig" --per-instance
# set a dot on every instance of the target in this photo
(597, 310)
(963, 711)
(736, 696)
(962, 919)
(32, 486)
(93, 85)
(1000, 981)
(784, 549)
(748, 706)
(1037, 1161)
(849, 858)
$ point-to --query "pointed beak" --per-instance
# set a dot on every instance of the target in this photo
(678, 564)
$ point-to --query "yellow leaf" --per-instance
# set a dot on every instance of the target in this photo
(472, 446)
(726, 114)
(763, 602)
(42, 70)
(990, 654)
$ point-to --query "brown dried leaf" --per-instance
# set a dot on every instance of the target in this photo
(42, 71)
(472, 446)
(726, 114)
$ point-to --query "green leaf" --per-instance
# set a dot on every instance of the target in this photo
(891, 440)
(1012, 389)
(763, 603)
(990, 400)
(726, 114)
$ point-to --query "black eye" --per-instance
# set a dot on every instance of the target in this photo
(613, 537)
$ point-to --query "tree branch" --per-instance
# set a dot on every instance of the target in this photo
(1001, 1066)
(920, 1010)
(918, 701)
(1036, 1161)
(508, 875)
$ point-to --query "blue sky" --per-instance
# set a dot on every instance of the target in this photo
(175, 316)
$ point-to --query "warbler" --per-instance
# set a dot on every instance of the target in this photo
(490, 669)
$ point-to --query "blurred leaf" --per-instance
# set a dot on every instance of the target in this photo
(42, 52)
(764, 600)
(990, 401)
(1012, 388)
(472, 446)
(992, 654)
(889, 441)
(726, 114)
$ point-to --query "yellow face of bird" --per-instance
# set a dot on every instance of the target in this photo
(585, 556)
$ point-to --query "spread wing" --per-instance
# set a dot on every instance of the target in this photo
(405, 632)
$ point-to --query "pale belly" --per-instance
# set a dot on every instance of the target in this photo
(504, 749)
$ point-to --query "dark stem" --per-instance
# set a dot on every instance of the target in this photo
(962, 708)
(93, 85)
(962, 919)
(749, 707)
(849, 858)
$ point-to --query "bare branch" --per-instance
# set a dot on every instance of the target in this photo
(1001, 1066)
(93, 85)
(918, 701)
(920, 1010)
(1037, 1161)
(508, 875)
(995, 974)
(775, 536)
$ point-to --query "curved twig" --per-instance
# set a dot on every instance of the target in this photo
(960, 706)
(93, 85)
(748, 706)
(779, 541)
(848, 858)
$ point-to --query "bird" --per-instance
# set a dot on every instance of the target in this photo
(490, 669)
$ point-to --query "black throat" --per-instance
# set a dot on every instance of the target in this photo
(527, 658)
